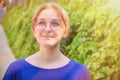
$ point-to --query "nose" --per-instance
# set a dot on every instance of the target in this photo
(48, 27)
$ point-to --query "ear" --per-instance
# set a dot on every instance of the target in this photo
(65, 33)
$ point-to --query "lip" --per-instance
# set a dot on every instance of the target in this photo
(48, 36)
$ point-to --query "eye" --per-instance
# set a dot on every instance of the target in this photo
(41, 23)
(55, 24)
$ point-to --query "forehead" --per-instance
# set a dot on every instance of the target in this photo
(48, 14)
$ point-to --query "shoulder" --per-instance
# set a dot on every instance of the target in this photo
(79, 65)
(82, 70)
(17, 64)
(14, 69)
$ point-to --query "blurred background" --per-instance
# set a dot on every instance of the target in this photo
(94, 37)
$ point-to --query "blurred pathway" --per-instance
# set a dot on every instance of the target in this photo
(6, 56)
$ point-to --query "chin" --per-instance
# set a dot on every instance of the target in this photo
(49, 44)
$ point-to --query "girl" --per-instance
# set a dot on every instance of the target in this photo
(50, 24)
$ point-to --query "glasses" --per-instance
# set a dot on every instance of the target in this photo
(54, 25)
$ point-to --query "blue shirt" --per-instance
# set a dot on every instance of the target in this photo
(22, 70)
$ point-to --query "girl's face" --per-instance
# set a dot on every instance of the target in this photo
(49, 29)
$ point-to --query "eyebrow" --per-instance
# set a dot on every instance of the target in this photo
(55, 19)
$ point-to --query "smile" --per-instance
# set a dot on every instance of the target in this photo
(48, 36)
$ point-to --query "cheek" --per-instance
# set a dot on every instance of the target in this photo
(37, 37)
(60, 34)
(36, 34)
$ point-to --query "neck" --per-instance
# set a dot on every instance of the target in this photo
(50, 53)
(48, 58)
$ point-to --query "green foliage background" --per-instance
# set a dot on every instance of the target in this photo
(94, 38)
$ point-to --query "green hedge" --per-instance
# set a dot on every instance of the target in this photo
(93, 40)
